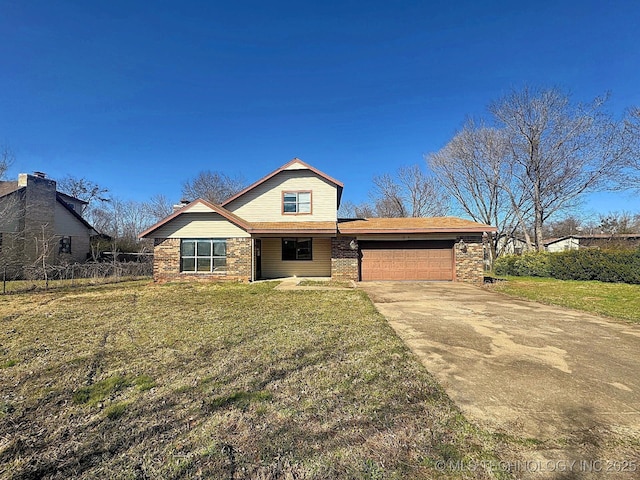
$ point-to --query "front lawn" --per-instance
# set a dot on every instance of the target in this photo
(220, 381)
(618, 300)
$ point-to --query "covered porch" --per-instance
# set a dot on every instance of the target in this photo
(292, 249)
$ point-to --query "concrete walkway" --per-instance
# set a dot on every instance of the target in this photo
(520, 367)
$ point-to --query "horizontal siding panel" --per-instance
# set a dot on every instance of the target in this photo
(67, 224)
(199, 208)
(274, 267)
(264, 202)
(296, 166)
(199, 225)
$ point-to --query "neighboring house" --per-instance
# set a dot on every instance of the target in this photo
(37, 220)
(509, 245)
(505, 245)
(286, 225)
(598, 240)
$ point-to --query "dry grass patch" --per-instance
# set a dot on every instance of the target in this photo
(326, 283)
(219, 381)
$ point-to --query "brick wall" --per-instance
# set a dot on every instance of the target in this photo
(344, 259)
(166, 262)
(470, 264)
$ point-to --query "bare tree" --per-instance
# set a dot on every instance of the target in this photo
(632, 125)
(349, 209)
(6, 160)
(615, 223)
(410, 193)
(83, 188)
(474, 168)
(558, 150)
(214, 187)
(387, 197)
(44, 251)
(570, 225)
(94, 194)
(158, 207)
(123, 220)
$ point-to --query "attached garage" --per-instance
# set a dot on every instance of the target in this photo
(407, 260)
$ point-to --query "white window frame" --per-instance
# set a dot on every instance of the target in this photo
(297, 202)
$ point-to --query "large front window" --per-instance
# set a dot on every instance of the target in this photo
(203, 255)
(296, 202)
(296, 249)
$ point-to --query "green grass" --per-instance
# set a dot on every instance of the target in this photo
(221, 381)
(618, 300)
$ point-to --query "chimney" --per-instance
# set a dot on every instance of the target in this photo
(183, 203)
(39, 174)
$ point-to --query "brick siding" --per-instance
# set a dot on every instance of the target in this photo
(470, 264)
(344, 259)
(166, 262)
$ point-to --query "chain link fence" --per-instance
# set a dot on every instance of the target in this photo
(70, 275)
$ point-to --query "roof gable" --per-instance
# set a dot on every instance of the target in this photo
(294, 164)
(60, 198)
(200, 206)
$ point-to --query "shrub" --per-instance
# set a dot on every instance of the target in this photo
(532, 264)
(601, 265)
(588, 264)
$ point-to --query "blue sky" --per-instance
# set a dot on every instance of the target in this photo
(140, 96)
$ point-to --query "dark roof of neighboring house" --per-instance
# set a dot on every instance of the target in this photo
(412, 225)
(283, 168)
(595, 236)
(8, 187)
(66, 196)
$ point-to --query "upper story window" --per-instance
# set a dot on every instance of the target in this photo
(296, 202)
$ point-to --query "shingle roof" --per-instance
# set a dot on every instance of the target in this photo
(8, 187)
(595, 236)
(293, 227)
(412, 225)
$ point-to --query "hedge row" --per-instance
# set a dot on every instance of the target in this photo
(602, 265)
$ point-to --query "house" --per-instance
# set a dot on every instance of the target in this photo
(597, 240)
(37, 220)
(510, 245)
(286, 224)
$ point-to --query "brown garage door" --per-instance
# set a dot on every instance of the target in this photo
(411, 260)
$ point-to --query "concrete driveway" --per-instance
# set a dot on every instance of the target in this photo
(517, 366)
